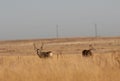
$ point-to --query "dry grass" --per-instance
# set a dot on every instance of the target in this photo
(21, 64)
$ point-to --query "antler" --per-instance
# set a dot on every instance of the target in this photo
(41, 48)
(91, 47)
(34, 46)
(36, 49)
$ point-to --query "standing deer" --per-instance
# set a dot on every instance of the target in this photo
(88, 52)
(41, 53)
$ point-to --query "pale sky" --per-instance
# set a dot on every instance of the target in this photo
(28, 19)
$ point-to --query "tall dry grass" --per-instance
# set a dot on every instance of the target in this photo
(65, 68)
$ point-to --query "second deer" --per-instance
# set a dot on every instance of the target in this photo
(88, 52)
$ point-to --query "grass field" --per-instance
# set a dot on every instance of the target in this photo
(19, 61)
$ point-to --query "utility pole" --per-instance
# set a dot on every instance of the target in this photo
(57, 31)
(96, 31)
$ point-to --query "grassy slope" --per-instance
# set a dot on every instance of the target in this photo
(23, 65)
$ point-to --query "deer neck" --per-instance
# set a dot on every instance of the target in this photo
(38, 51)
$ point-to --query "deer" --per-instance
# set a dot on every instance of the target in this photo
(41, 53)
(88, 52)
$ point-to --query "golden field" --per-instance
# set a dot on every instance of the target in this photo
(19, 61)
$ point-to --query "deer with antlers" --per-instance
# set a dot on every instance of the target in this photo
(88, 52)
(41, 53)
